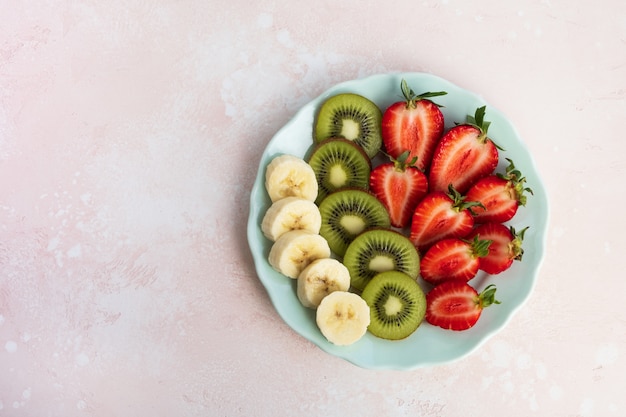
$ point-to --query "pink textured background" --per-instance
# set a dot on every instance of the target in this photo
(130, 134)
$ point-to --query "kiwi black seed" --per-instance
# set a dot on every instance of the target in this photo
(339, 163)
(380, 250)
(347, 213)
(353, 117)
(397, 305)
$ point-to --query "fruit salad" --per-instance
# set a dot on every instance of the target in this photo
(388, 219)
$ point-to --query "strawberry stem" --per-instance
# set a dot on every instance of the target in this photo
(412, 98)
(516, 244)
(478, 120)
(515, 178)
(459, 202)
(402, 162)
(487, 297)
(480, 247)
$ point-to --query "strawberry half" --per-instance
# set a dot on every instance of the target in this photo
(453, 259)
(456, 305)
(500, 195)
(400, 186)
(441, 215)
(415, 124)
(463, 155)
(506, 246)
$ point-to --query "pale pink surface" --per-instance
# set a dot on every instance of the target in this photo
(130, 135)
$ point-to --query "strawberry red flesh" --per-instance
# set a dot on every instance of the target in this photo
(463, 155)
(415, 124)
(500, 195)
(456, 305)
(400, 186)
(505, 248)
(497, 198)
(453, 259)
(440, 215)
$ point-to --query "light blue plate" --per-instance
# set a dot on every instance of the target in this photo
(429, 345)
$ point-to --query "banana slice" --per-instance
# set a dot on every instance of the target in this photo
(295, 250)
(343, 317)
(320, 278)
(288, 175)
(291, 213)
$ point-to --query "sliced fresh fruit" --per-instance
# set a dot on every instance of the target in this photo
(343, 317)
(415, 124)
(346, 214)
(453, 258)
(380, 250)
(291, 213)
(397, 305)
(353, 117)
(339, 163)
(456, 305)
(441, 215)
(399, 185)
(290, 176)
(463, 155)
(320, 278)
(295, 250)
(500, 194)
(505, 248)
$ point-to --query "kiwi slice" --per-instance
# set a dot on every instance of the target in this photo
(339, 163)
(380, 250)
(397, 305)
(353, 117)
(347, 213)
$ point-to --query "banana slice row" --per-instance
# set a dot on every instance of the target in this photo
(293, 220)
(299, 252)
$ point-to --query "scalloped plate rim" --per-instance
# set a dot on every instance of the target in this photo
(371, 352)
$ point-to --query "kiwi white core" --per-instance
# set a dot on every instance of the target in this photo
(352, 224)
(350, 129)
(338, 176)
(393, 306)
(380, 263)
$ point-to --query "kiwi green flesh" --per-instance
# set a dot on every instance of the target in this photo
(339, 163)
(347, 213)
(397, 305)
(353, 117)
(380, 250)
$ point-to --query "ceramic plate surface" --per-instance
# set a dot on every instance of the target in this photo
(429, 345)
